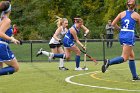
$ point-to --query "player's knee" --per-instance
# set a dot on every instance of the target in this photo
(125, 59)
(132, 57)
(78, 53)
(68, 57)
(16, 68)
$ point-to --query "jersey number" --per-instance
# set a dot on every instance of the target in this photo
(127, 23)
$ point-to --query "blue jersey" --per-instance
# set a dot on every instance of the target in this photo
(5, 53)
(127, 36)
(9, 32)
(68, 40)
(127, 22)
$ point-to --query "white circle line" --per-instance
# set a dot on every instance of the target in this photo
(68, 80)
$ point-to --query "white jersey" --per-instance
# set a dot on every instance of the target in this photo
(60, 36)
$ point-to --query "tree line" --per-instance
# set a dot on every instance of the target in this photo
(36, 18)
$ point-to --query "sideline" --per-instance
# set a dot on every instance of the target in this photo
(68, 80)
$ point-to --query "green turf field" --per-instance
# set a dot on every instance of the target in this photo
(46, 78)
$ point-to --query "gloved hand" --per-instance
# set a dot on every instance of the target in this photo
(15, 41)
(61, 42)
(84, 48)
(85, 35)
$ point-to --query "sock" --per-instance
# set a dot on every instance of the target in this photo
(59, 55)
(132, 68)
(77, 59)
(61, 63)
(45, 53)
(7, 70)
(116, 60)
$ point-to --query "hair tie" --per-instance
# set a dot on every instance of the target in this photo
(9, 9)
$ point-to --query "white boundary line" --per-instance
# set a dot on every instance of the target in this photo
(68, 79)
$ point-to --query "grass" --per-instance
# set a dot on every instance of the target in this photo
(45, 77)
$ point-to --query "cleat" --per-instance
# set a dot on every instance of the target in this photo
(39, 52)
(78, 69)
(136, 79)
(63, 68)
(105, 66)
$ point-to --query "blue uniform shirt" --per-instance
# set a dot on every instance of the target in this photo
(9, 32)
(126, 35)
(68, 40)
(127, 22)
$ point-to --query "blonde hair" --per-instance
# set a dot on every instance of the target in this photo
(60, 20)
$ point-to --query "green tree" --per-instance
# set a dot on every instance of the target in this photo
(36, 18)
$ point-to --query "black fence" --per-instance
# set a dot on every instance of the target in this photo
(97, 48)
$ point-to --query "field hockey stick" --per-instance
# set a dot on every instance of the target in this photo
(90, 57)
(85, 58)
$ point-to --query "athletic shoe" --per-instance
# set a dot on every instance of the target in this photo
(105, 66)
(136, 79)
(39, 52)
(78, 69)
(63, 68)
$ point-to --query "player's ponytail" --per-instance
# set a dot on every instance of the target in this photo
(5, 6)
(60, 21)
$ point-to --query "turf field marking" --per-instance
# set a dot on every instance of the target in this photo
(113, 81)
(68, 79)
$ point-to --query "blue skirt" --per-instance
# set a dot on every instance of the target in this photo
(5, 53)
(68, 42)
(127, 38)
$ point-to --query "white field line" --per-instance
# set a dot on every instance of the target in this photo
(68, 79)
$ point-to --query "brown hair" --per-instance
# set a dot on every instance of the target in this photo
(4, 5)
(78, 20)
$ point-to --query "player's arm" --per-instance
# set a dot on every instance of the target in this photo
(138, 18)
(3, 28)
(115, 21)
(57, 32)
(85, 29)
(73, 32)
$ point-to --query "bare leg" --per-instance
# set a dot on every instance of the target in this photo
(12, 67)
